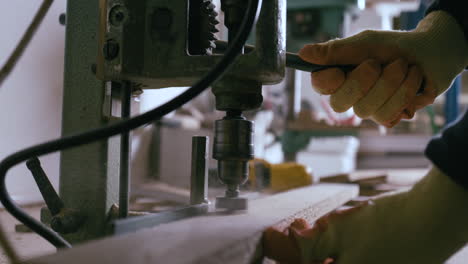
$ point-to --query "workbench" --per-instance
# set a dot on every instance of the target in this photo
(217, 237)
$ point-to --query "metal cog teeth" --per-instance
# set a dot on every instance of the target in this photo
(214, 21)
(202, 35)
(213, 29)
(209, 5)
(212, 37)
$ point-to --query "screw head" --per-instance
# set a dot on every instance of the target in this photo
(63, 19)
(117, 16)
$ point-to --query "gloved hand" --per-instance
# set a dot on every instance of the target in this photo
(392, 66)
(424, 225)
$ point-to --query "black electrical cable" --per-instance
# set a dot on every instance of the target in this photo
(25, 40)
(121, 127)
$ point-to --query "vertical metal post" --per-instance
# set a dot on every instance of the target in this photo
(125, 141)
(88, 174)
(293, 82)
(199, 177)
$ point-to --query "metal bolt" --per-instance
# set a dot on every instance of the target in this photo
(63, 19)
(117, 15)
(67, 222)
(111, 49)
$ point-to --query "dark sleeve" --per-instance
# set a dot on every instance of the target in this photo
(457, 8)
(449, 152)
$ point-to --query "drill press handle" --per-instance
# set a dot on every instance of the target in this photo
(294, 61)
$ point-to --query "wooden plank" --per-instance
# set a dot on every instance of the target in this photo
(214, 238)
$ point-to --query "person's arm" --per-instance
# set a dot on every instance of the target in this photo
(392, 67)
(457, 8)
(428, 223)
(449, 151)
(425, 225)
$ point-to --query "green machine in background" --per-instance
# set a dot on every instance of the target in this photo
(315, 21)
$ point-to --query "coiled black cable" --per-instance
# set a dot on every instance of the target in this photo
(121, 127)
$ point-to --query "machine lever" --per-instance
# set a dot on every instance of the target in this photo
(51, 198)
(292, 60)
(64, 220)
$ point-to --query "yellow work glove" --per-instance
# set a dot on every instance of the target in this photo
(391, 67)
(424, 225)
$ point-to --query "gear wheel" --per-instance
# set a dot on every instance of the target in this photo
(202, 27)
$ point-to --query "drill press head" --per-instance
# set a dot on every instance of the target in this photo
(233, 148)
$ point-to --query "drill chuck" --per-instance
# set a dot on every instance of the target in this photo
(233, 148)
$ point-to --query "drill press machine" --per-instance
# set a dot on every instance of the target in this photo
(160, 43)
(144, 45)
(114, 45)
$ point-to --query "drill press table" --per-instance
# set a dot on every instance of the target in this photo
(213, 238)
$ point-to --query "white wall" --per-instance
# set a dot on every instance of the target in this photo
(31, 98)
